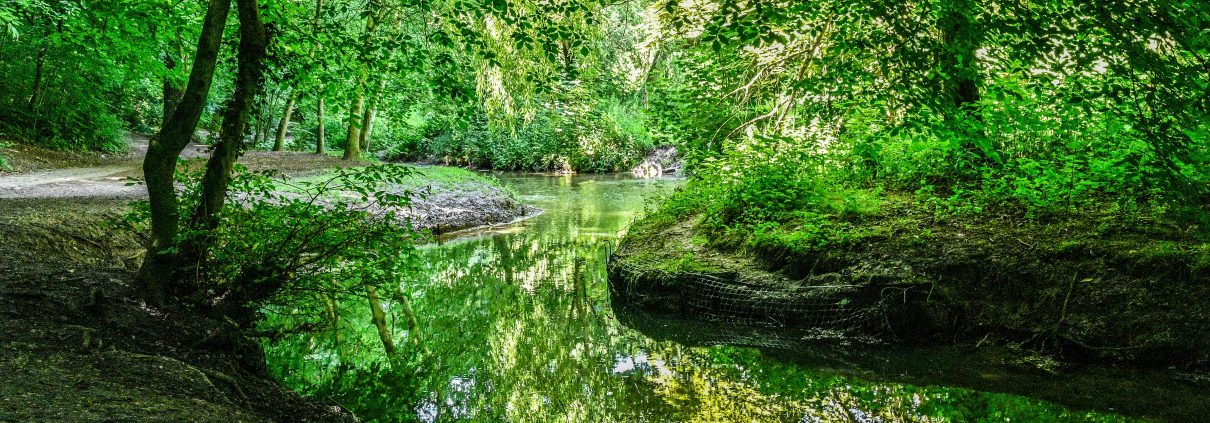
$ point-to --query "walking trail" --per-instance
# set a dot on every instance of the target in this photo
(112, 178)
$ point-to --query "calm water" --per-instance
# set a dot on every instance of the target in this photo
(516, 324)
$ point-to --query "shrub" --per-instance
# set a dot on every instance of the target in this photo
(296, 242)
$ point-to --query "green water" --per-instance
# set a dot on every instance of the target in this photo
(516, 324)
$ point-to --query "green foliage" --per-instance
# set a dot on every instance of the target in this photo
(610, 137)
(4, 165)
(78, 75)
(297, 241)
(1046, 112)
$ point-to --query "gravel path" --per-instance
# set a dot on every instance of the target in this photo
(105, 181)
(98, 181)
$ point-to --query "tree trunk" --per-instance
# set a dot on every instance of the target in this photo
(159, 165)
(280, 141)
(410, 315)
(961, 42)
(36, 95)
(172, 90)
(353, 142)
(962, 39)
(367, 119)
(380, 321)
(319, 131)
(258, 124)
(248, 85)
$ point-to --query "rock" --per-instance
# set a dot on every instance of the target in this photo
(663, 161)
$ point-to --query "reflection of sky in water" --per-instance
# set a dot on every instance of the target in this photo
(514, 324)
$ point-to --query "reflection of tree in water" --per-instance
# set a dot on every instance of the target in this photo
(518, 327)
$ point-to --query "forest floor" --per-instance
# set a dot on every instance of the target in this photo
(43, 173)
(450, 200)
(77, 343)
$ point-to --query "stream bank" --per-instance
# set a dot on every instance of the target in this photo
(78, 343)
(1106, 287)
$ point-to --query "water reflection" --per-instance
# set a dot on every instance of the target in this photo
(515, 324)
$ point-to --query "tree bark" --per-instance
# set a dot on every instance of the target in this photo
(371, 111)
(380, 321)
(319, 131)
(249, 289)
(159, 165)
(280, 141)
(36, 95)
(961, 42)
(248, 85)
(353, 141)
(319, 95)
(172, 91)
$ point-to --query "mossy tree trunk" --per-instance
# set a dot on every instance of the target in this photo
(371, 111)
(248, 86)
(961, 40)
(159, 165)
(167, 271)
(35, 96)
(279, 142)
(380, 321)
(319, 93)
(353, 141)
(319, 129)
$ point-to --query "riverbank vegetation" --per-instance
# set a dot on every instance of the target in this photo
(1013, 163)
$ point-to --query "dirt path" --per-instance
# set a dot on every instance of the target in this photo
(105, 181)
(108, 177)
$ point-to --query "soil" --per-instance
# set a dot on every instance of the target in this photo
(42, 173)
(77, 343)
(1105, 286)
(445, 207)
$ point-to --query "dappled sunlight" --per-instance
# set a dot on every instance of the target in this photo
(518, 326)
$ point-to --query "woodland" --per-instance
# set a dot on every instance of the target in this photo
(1029, 174)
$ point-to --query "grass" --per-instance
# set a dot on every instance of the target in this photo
(430, 178)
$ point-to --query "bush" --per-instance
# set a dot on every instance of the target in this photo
(287, 242)
(609, 138)
(4, 161)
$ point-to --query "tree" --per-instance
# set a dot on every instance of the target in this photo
(166, 270)
(160, 273)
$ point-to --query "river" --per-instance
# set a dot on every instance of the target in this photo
(515, 323)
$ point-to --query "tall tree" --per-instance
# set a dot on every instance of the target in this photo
(172, 262)
(156, 276)
(279, 140)
(357, 108)
(316, 49)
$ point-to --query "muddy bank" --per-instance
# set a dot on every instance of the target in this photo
(452, 199)
(76, 344)
(1103, 287)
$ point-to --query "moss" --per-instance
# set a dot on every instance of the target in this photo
(1124, 287)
